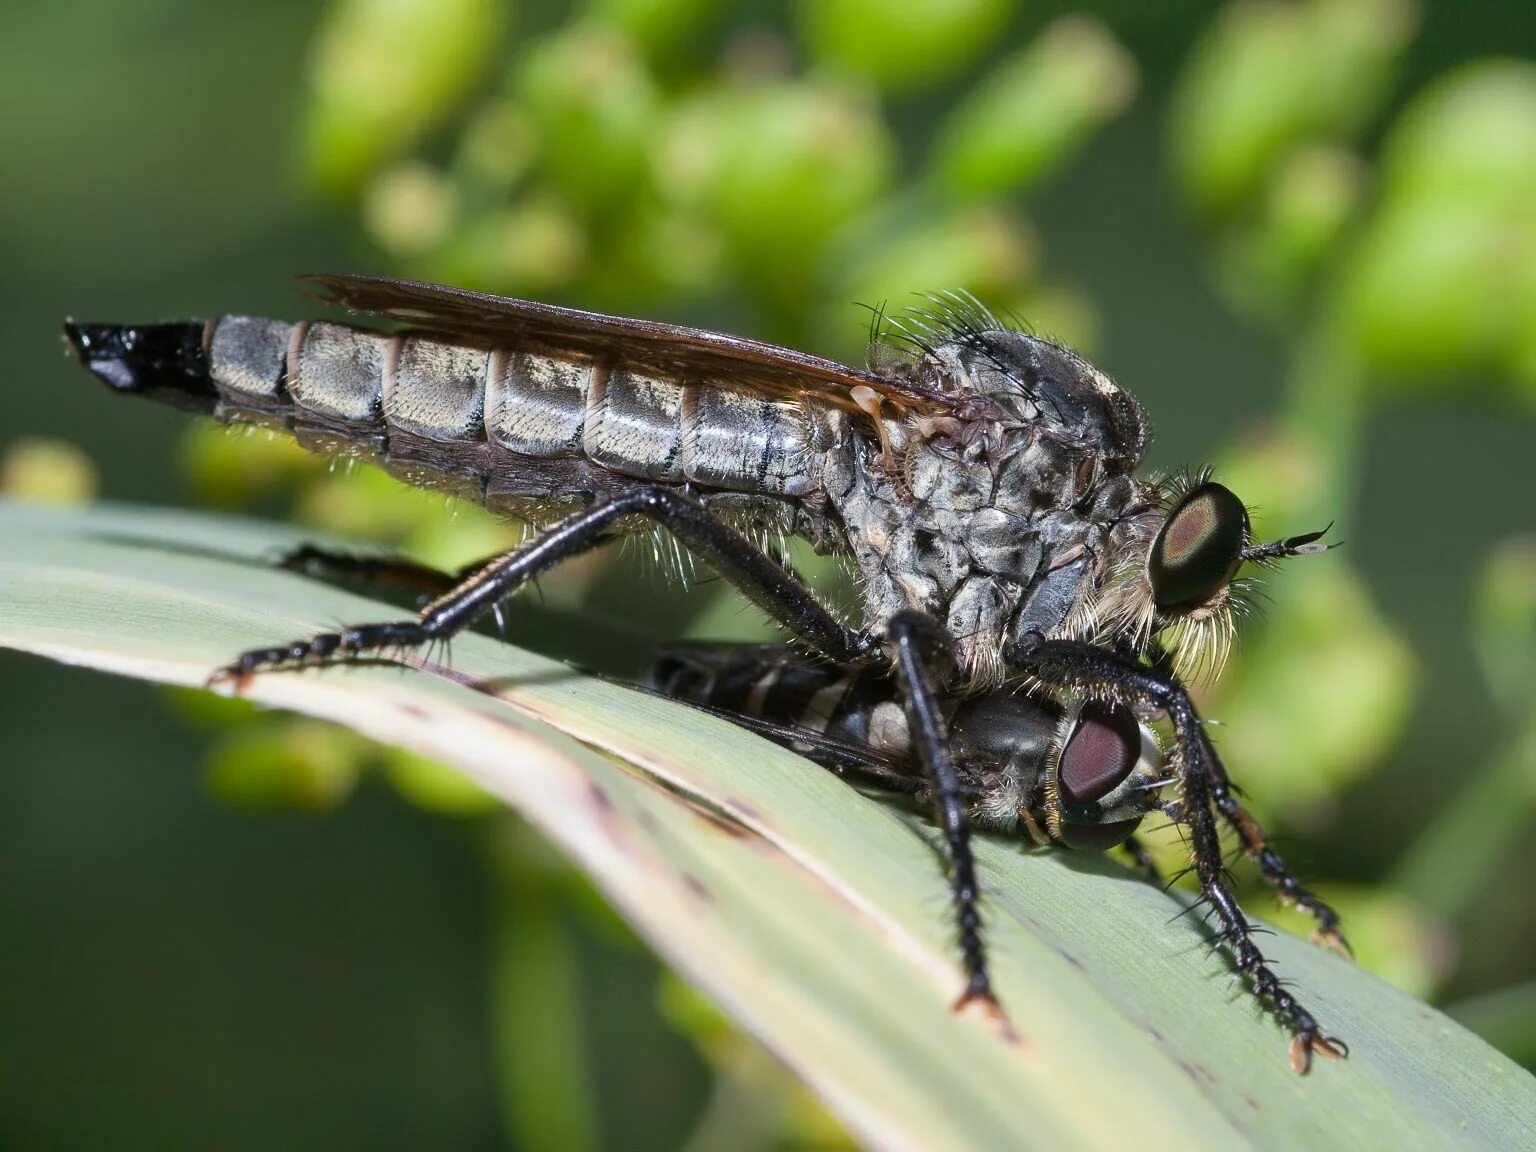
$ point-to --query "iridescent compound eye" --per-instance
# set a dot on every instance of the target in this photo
(1199, 548)
(1101, 752)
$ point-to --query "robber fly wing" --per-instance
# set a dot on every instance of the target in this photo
(734, 361)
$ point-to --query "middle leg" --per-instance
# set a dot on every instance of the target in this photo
(920, 649)
(774, 589)
(1272, 867)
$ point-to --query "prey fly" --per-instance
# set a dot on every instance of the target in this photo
(981, 481)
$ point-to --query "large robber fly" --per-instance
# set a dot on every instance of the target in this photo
(1016, 574)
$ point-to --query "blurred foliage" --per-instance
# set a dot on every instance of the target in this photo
(664, 158)
(51, 471)
(1065, 85)
(1270, 78)
(900, 46)
(384, 73)
(1504, 624)
(1442, 284)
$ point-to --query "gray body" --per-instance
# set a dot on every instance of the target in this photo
(998, 522)
(508, 424)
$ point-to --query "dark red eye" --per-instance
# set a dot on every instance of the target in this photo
(1198, 549)
(1101, 752)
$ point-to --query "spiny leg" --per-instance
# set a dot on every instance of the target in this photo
(1205, 850)
(392, 571)
(1099, 673)
(918, 645)
(381, 571)
(1272, 867)
(1256, 843)
(775, 590)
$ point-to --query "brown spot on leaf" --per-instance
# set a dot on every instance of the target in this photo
(721, 822)
(600, 799)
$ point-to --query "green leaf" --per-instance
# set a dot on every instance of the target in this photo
(811, 916)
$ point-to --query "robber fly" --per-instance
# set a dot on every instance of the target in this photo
(980, 480)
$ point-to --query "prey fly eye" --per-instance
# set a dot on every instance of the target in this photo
(1101, 752)
(1199, 548)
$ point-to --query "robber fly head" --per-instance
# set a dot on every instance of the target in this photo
(1178, 573)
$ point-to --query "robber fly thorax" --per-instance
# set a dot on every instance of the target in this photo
(982, 481)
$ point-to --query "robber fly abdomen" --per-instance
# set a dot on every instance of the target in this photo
(496, 423)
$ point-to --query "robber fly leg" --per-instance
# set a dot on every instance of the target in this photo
(1272, 867)
(766, 583)
(378, 571)
(1106, 675)
(919, 648)
(1256, 844)
(1307, 1037)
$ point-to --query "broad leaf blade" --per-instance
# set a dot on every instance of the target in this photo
(815, 917)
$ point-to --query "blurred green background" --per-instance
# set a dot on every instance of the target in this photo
(1304, 234)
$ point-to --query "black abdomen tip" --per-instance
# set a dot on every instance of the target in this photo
(166, 362)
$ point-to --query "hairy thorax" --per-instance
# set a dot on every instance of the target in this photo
(1000, 524)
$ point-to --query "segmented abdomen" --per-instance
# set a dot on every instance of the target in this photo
(507, 416)
(777, 684)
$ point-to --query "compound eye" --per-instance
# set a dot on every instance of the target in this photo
(1098, 837)
(1101, 752)
(1199, 548)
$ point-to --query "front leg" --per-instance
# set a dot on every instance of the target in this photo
(920, 649)
(1274, 871)
(1256, 843)
(767, 584)
(1105, 675)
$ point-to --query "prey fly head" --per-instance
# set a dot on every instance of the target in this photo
(1077, 774)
